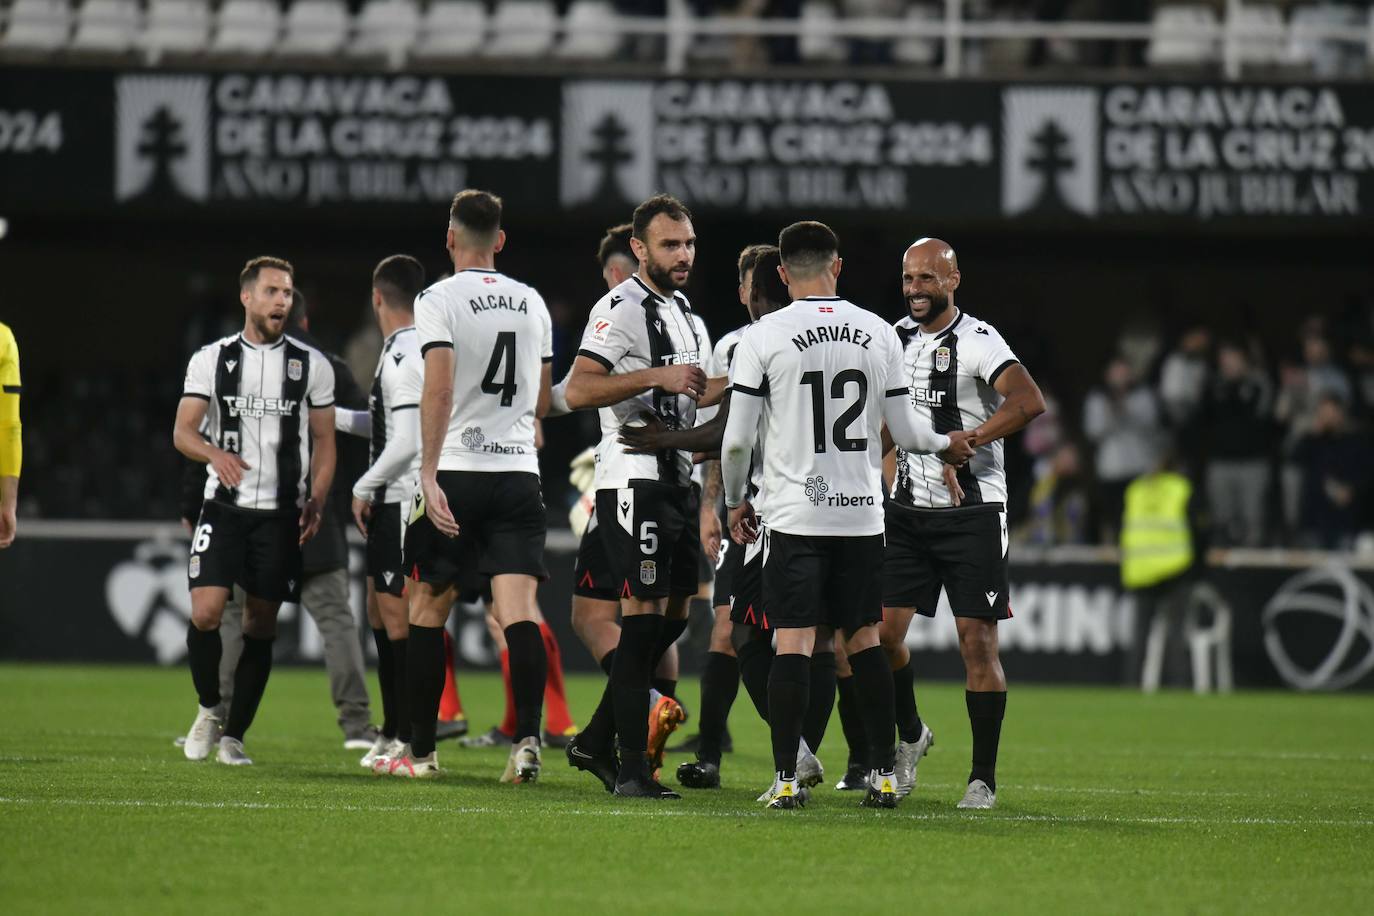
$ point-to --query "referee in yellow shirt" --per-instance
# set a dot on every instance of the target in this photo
(11, 446)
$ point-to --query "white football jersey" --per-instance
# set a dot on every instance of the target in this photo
(725, 355)
(260, 398)
(396, 386)
(501, 335)
(951, 376)
(822, 367)
(632, 328)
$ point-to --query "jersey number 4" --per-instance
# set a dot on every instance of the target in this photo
(502, 354)
(838, 384)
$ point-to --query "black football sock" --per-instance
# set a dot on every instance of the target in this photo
(203, 650)
(754, 653)
(528, 671)
(386, 677)
(820, 701)
(672, 631)
(789, 682)
(634, 658)
(596, 736)
(873, 680)
(665, 686)
(904, 695)
(986, 709)
(250, 682)
(425, 680)
(851, 722)
(400, 687)
(719, 686)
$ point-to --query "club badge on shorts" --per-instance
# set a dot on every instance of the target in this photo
(648, 572)
(293, 369)
(942, 359)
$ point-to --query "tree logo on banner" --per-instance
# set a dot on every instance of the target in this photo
(148, 598)
(162, 138)
(1333, 592)
(607, 148)
(1050, 151)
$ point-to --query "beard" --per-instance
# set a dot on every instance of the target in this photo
(939, 304)
(267, 329)
(663, 277)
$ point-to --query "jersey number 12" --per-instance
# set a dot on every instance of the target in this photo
(502, 354)
(845, 377)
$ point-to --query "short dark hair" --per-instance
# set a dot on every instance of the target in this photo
(750, 256)
(399, 279)
(479, 212)
(616, 241)
(249, 275)
(808, 246)
(768, 286)
(644, 214)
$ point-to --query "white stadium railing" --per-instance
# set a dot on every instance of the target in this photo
(460, 32)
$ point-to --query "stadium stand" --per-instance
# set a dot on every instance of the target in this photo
(314, 28)
(38, 25)
(106, 26)
(175, 27)
(522, 28)
(386, 28)
(590, 31)
(246, 27)
(452, 29)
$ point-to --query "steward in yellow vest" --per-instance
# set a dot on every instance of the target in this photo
(1156, 537)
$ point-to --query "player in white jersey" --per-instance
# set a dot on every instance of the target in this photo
(952, 533)
(487, 342)
(641, 356)
(392, 421)
(266, 402)
(819, 378)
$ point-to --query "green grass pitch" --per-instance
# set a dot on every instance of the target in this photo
(1108, 802)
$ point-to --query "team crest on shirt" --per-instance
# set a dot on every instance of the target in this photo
(293, 369)
(942, 359)
(648, 572)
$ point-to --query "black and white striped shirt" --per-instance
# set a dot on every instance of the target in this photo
(260, 398)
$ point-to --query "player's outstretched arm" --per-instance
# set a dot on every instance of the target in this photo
(591, 383)
(186, 437)
(654, 436)
(353, 422)
(402, 445)
(322, 461)
(907, 431)
(1022, 402)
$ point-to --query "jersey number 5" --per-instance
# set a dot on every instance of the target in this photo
(842, 379)
(502, 354)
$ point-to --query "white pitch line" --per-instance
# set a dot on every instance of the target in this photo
(967, 817)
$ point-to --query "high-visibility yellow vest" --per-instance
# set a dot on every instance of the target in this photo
(1156, 543)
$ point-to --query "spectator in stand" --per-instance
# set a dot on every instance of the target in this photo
(1301, 389)
(1335, 459)
(1182, 386)
(1239, 434)
(1060, 502)
(1122, 419)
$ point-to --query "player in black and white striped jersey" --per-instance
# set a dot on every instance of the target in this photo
(269, 402)
(949, 529)
(392, 420)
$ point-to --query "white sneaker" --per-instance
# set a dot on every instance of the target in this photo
(524, 762)
(407, 765)
(231, 753)
(909, 754)
(809, 769)
(381, 764)
(377, 750)
(205, 733)
(978, 796)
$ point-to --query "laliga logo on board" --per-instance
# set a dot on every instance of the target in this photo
(1333, 592)
(148, 598)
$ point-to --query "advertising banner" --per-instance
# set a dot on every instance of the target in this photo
(1110, 152)
(123, 598)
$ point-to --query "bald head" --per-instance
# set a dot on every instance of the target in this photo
(930, 275)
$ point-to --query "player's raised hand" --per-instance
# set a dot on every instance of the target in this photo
(228, 467)
(744, 524)
(362, 514)
(684, 378)
(959, 451)
(643, 440)
(436, 507)
(956, 492)
(311, 514)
